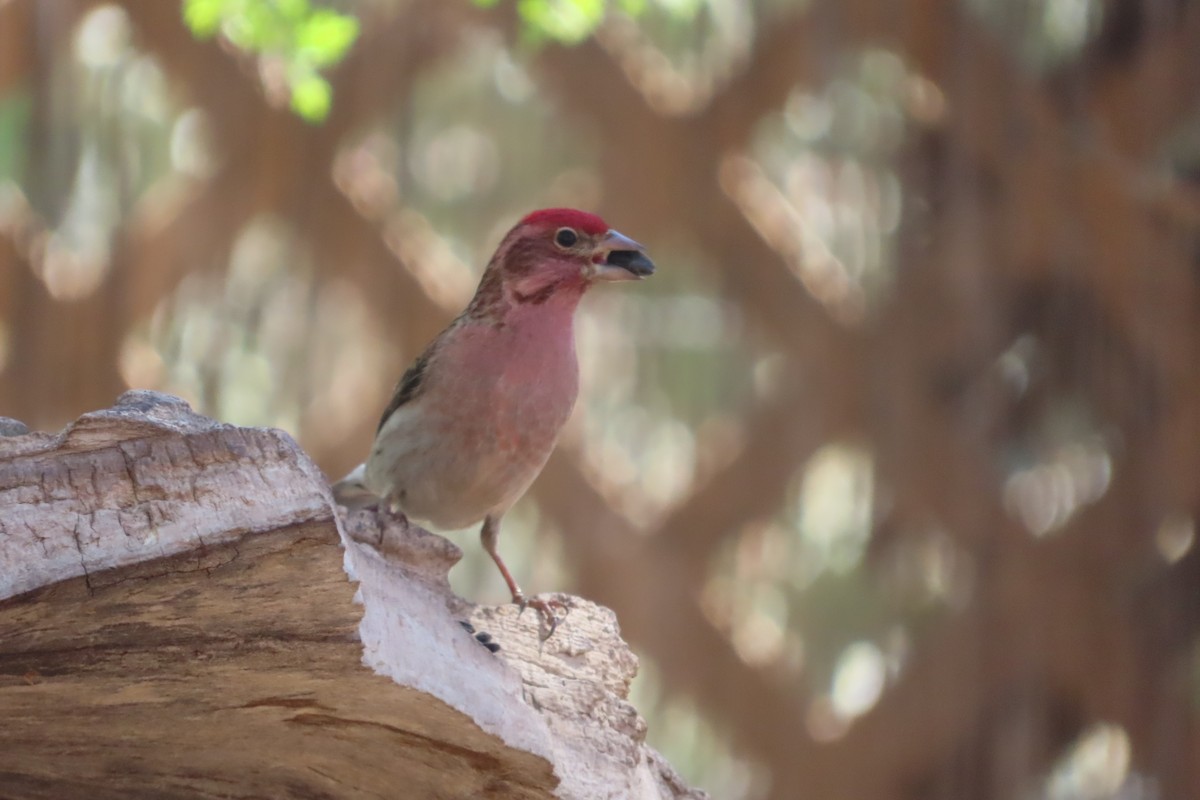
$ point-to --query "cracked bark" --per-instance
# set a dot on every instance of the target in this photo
(176, 620)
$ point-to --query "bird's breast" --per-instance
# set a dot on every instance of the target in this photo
(526, 390)
(491, 412)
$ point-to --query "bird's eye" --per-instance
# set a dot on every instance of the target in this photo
(565, 237)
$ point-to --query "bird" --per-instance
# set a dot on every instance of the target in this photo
(475, 417)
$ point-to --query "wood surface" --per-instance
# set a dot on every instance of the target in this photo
(177, 621)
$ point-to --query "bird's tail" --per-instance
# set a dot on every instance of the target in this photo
(352, 492)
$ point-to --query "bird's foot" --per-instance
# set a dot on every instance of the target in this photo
(483, 637)
(549, 617)
(386, 515)
(391, 512)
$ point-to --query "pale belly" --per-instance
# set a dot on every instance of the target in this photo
(454, 475)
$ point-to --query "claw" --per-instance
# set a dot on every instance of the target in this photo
(548, 619)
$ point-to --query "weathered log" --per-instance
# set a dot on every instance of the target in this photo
(177, 621)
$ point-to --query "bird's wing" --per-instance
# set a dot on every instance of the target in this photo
(410, 384)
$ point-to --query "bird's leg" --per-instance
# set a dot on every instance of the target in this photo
(489, 535)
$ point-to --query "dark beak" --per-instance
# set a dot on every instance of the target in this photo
(619, 258)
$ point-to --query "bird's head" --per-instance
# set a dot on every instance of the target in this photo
(559, 252)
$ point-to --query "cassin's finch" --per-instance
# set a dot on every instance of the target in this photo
(475, 417)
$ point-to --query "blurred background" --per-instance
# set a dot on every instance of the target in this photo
(890, 472)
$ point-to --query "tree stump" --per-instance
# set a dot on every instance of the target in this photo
(185, 614)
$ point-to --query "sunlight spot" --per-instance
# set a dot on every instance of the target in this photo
(925, 101)
(1097, 765)
(1015, 364)
(858, 680)
(1175, 537)
(897, 647)
(365, 173)
(144, 91)
(1068, 22)
(759, 640)
(823, 722)
(1045, 496)
(808, 116)
(512, 80)
(190, 148)
(668, 462)
(73, 273)
(140, 364)
(103, 37)
(758, 637)
(945, 571)
(770, 373)
(836, 504)
(716, 601)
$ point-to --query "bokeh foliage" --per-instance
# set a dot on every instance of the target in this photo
(303, 38)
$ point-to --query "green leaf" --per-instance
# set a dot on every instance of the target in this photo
(241, 26)
(486, 3)
(311, 97)
(292, 10)
(258, 28)
(203, 17)
(567, 21)
(325, 37)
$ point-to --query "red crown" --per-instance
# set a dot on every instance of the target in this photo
(567, 218)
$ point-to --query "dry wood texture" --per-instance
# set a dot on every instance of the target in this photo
(153, 646)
